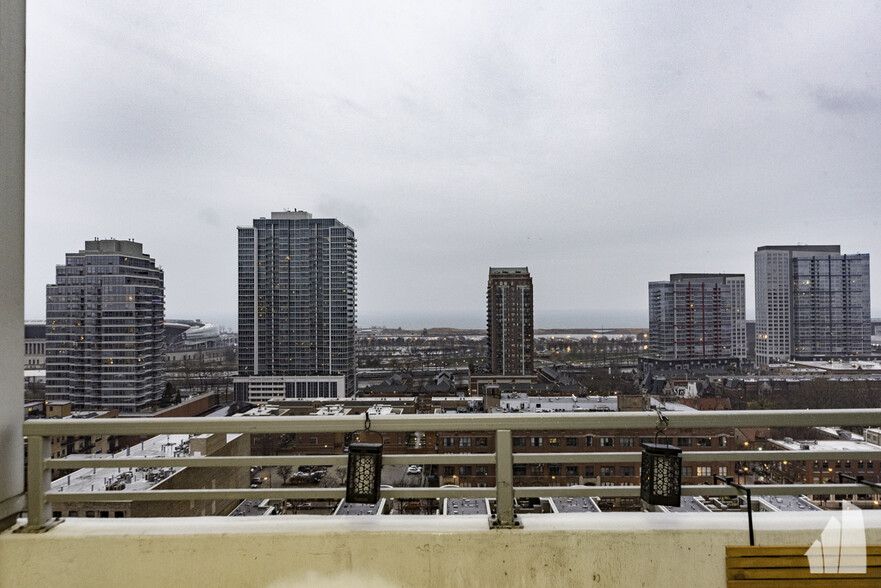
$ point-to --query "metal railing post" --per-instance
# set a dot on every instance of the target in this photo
(504, 517)
(39, 481)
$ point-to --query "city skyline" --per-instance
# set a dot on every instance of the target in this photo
(595, 144)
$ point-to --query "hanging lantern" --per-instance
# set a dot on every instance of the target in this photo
(364, 471)
(661, 477)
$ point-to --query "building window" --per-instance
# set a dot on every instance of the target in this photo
(519, 469)
(704, 442)
(588, 470)
(607, 470)
(704, 471)
(626, 441)
(449, 470)
(723, 441)
(588, 441)
(480, 470)
(571, 441)
(683, 441)
(554, 469)
(464, 441)
(519, 442)
(535, 441)
(449, 441)
(553, 441)
(481, 442)
(464, 470)
(723, 470)
(572, 470)
(627, 470)
(607, 441)
(686, 471)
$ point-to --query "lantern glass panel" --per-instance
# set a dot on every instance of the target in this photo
(661, 477)
(363, 475)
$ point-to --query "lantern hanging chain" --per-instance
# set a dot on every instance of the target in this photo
(366, 429)
(661, 425)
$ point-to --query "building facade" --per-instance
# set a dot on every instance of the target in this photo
(509, 326)
(297, 307)
(698, 318)
(812, 302)
(105, 339)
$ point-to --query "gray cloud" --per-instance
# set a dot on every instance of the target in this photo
(603, 146)
(847, 101)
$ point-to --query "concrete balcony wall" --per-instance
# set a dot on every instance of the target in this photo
(610, 549)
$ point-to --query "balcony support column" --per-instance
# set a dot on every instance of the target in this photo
(504, 517)
(12, 104)
(39, 482)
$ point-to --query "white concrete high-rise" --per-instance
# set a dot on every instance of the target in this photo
(812, 302)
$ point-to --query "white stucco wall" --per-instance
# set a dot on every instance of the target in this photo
(616, 549)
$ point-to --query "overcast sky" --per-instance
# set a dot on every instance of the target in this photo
(604, 145)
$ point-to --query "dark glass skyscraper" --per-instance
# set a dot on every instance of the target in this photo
(297, 308)
(105, 331)
(509, 329)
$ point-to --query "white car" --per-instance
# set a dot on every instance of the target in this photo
(414, 469)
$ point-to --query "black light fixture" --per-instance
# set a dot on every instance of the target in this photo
(364, 470)
(660, 479)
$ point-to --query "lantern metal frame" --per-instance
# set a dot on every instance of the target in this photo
(660, 478)
(364, 471)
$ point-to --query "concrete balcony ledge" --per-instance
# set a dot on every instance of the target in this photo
(608, 549)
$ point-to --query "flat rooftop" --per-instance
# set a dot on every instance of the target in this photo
(465, 506)
(688, 504)
(574, 504)
(355, 510)
(102, 479)
(823, 445)
(786, 503)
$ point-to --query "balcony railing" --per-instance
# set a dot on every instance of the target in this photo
(39, 433)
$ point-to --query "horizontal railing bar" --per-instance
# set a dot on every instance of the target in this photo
(695, 490)
(67, 463)
(451, 492)
(699, 456)
(475, 422)
(194, 462)
(200, 494)
(456, 459)
(597, 457)
(781, 455)
(275, 493)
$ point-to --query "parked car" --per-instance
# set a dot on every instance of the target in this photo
(414, 469)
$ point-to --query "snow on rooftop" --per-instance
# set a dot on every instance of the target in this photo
(824, 445)
(101, 479)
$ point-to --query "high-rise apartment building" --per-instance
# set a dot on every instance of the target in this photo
(812, 302)
(509, 321)
(698, 320)
(297, 308)
(105, 334)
